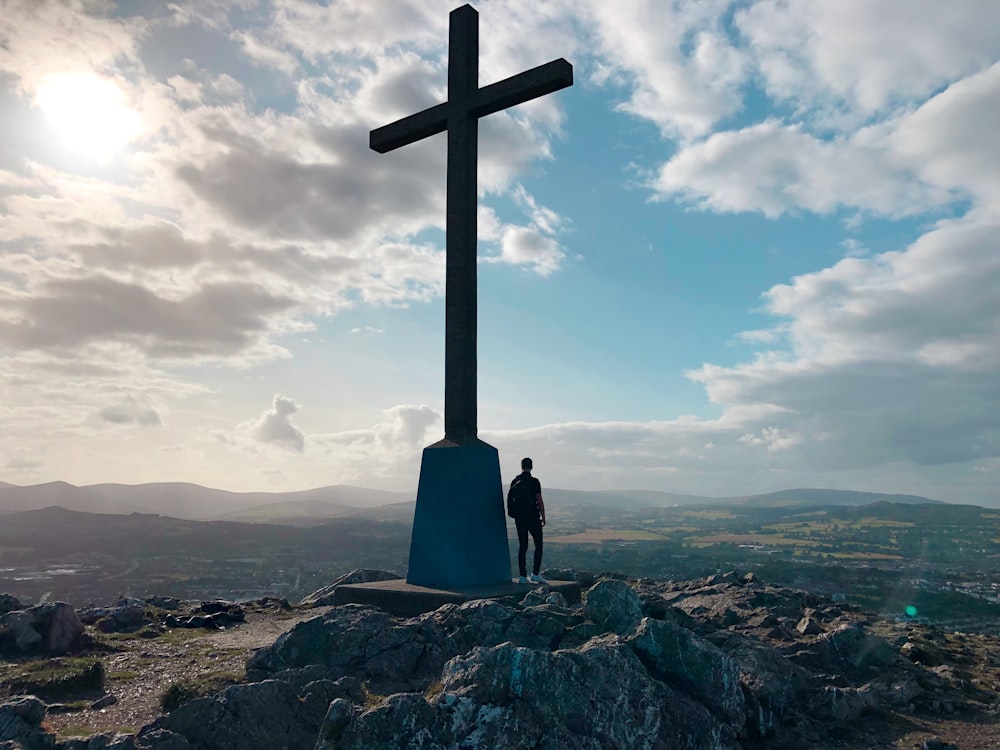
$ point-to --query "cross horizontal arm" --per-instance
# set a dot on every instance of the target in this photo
(410, 129)
(521, 88)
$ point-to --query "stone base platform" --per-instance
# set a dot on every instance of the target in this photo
(402, 599)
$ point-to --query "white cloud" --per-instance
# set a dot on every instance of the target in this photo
(775, 168)
(274, 426)
(859, 57)
(683, 71)
(525, 245)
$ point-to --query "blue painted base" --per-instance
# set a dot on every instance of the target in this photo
(459, 528)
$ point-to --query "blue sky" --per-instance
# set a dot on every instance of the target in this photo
(753, 247)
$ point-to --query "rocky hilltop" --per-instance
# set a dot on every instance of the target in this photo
(718, 663)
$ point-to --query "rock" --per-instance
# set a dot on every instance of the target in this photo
(268, 715)
(46, 628)
(164, 602)
(126, 618)
(107, 700)
(224, 614)
(555, 599)
(842, 705)
(106, 741)
(338, 718)
(901, 693)
(507, 697)
(20, 724)
(152, 738)
(809, 626)
(360, 641)
(849, 650)
(936, 743)
(687, 663)
(324, 596)
(922, 652)
(613, 605)
(396, 654)
(9, 604)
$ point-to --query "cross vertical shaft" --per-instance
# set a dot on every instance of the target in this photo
(460, 356)
(460, 117)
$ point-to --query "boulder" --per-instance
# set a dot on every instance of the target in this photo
(9, 604)
(126, 618)
(160, 739)
(690, 664)
(338, 718)
(50, 629)
(362, 641)
(506, 697)
(809, 626)
(269, 715)
(613, 605)
(21, 724)
(324, 596)
(922, 652)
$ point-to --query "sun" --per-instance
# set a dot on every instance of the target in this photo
(89, 113)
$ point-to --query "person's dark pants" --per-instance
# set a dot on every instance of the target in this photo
(525, 525)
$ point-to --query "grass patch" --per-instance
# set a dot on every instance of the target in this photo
(371, 700)
(55, 678)
(178, 693)
(121, 675)
(433, 690)
(176, 635)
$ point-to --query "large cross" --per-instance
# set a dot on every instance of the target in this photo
(460, 117)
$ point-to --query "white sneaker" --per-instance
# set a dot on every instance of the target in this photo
(522, 579)
(536, 578)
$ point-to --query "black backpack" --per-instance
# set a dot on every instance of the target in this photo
(521, 497)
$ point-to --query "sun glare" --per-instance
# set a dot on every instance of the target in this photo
(88, 112)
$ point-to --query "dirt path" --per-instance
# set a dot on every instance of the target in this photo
(142, 669)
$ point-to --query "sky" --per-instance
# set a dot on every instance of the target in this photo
(753, 247)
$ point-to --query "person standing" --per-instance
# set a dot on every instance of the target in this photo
(525, 506)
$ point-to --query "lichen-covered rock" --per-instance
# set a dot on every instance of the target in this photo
(613, 605)
(688, 663)
(20, 724)
(324, 596)
(396, 654)
(508, 697)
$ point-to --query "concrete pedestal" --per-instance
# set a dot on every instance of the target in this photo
(402, 599)
(459, 529)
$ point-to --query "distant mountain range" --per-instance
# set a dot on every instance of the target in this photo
(194, 502)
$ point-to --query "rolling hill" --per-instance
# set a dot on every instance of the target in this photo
(315, 506)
